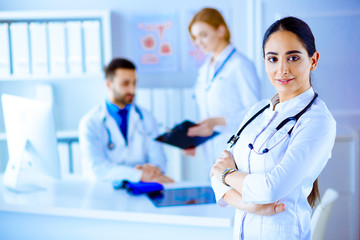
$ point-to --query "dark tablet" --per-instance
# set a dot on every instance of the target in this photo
(177, 136)
(182, 196)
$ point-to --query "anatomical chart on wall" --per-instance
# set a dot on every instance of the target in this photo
(154, 43)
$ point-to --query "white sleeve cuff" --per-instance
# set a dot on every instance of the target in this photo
(219, 189)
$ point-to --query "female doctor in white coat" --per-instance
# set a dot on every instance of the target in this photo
(227, 85)
(115, 146)
(281, 147)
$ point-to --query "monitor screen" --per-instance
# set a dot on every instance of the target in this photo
(31, 140)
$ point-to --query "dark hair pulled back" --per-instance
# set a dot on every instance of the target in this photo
(296, 26)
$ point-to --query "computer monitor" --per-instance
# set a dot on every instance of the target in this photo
(32, 144)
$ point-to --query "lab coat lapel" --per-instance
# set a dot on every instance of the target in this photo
(133, 124)
(114, 129)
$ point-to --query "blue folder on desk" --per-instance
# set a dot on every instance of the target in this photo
(182, 196)
(178, 137)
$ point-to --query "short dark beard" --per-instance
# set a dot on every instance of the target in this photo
(121, 101)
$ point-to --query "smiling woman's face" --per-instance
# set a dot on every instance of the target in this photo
(288, 64)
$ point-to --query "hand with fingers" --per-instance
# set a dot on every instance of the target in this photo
(205, 128)
(151, 173)
(268, 209)
(225, 161)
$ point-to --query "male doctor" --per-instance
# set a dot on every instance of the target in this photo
(116, 137)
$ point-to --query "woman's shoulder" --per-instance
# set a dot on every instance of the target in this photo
(321, 111)
(240, 64)
(317, 119)
(240, 58)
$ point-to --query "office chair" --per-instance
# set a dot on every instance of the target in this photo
(321, 214)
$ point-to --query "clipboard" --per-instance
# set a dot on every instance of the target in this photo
(178, 137)
(182, 196)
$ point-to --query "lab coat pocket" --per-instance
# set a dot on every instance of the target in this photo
(279, 232)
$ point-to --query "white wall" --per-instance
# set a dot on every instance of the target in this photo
(90, 90)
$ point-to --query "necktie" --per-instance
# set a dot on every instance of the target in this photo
(123, 124)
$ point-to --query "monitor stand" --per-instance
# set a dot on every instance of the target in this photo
(21, 175)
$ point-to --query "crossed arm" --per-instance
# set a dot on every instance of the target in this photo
(233, 197)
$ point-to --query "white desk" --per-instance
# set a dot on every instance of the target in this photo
(75, 209)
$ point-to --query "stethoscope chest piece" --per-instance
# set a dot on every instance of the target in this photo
(111, 146)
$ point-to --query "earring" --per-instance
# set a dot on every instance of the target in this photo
(312, 67)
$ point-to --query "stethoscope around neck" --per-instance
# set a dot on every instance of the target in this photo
(234, 138)
(111, 145)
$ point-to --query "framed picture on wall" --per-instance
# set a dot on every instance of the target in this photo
(155, 42)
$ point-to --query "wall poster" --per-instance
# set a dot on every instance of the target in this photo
(155, 45)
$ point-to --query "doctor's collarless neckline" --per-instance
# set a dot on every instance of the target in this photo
(298, 101)
(214, 68)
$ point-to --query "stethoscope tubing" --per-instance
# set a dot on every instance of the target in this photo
(220, 68)
(234, 138)
(223, 64)
(110, 145)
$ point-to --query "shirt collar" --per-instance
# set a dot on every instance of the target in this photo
(114, 109)
(296, 101)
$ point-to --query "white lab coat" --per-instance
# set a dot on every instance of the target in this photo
(286, 172)
(230, 95)
(99, 162)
